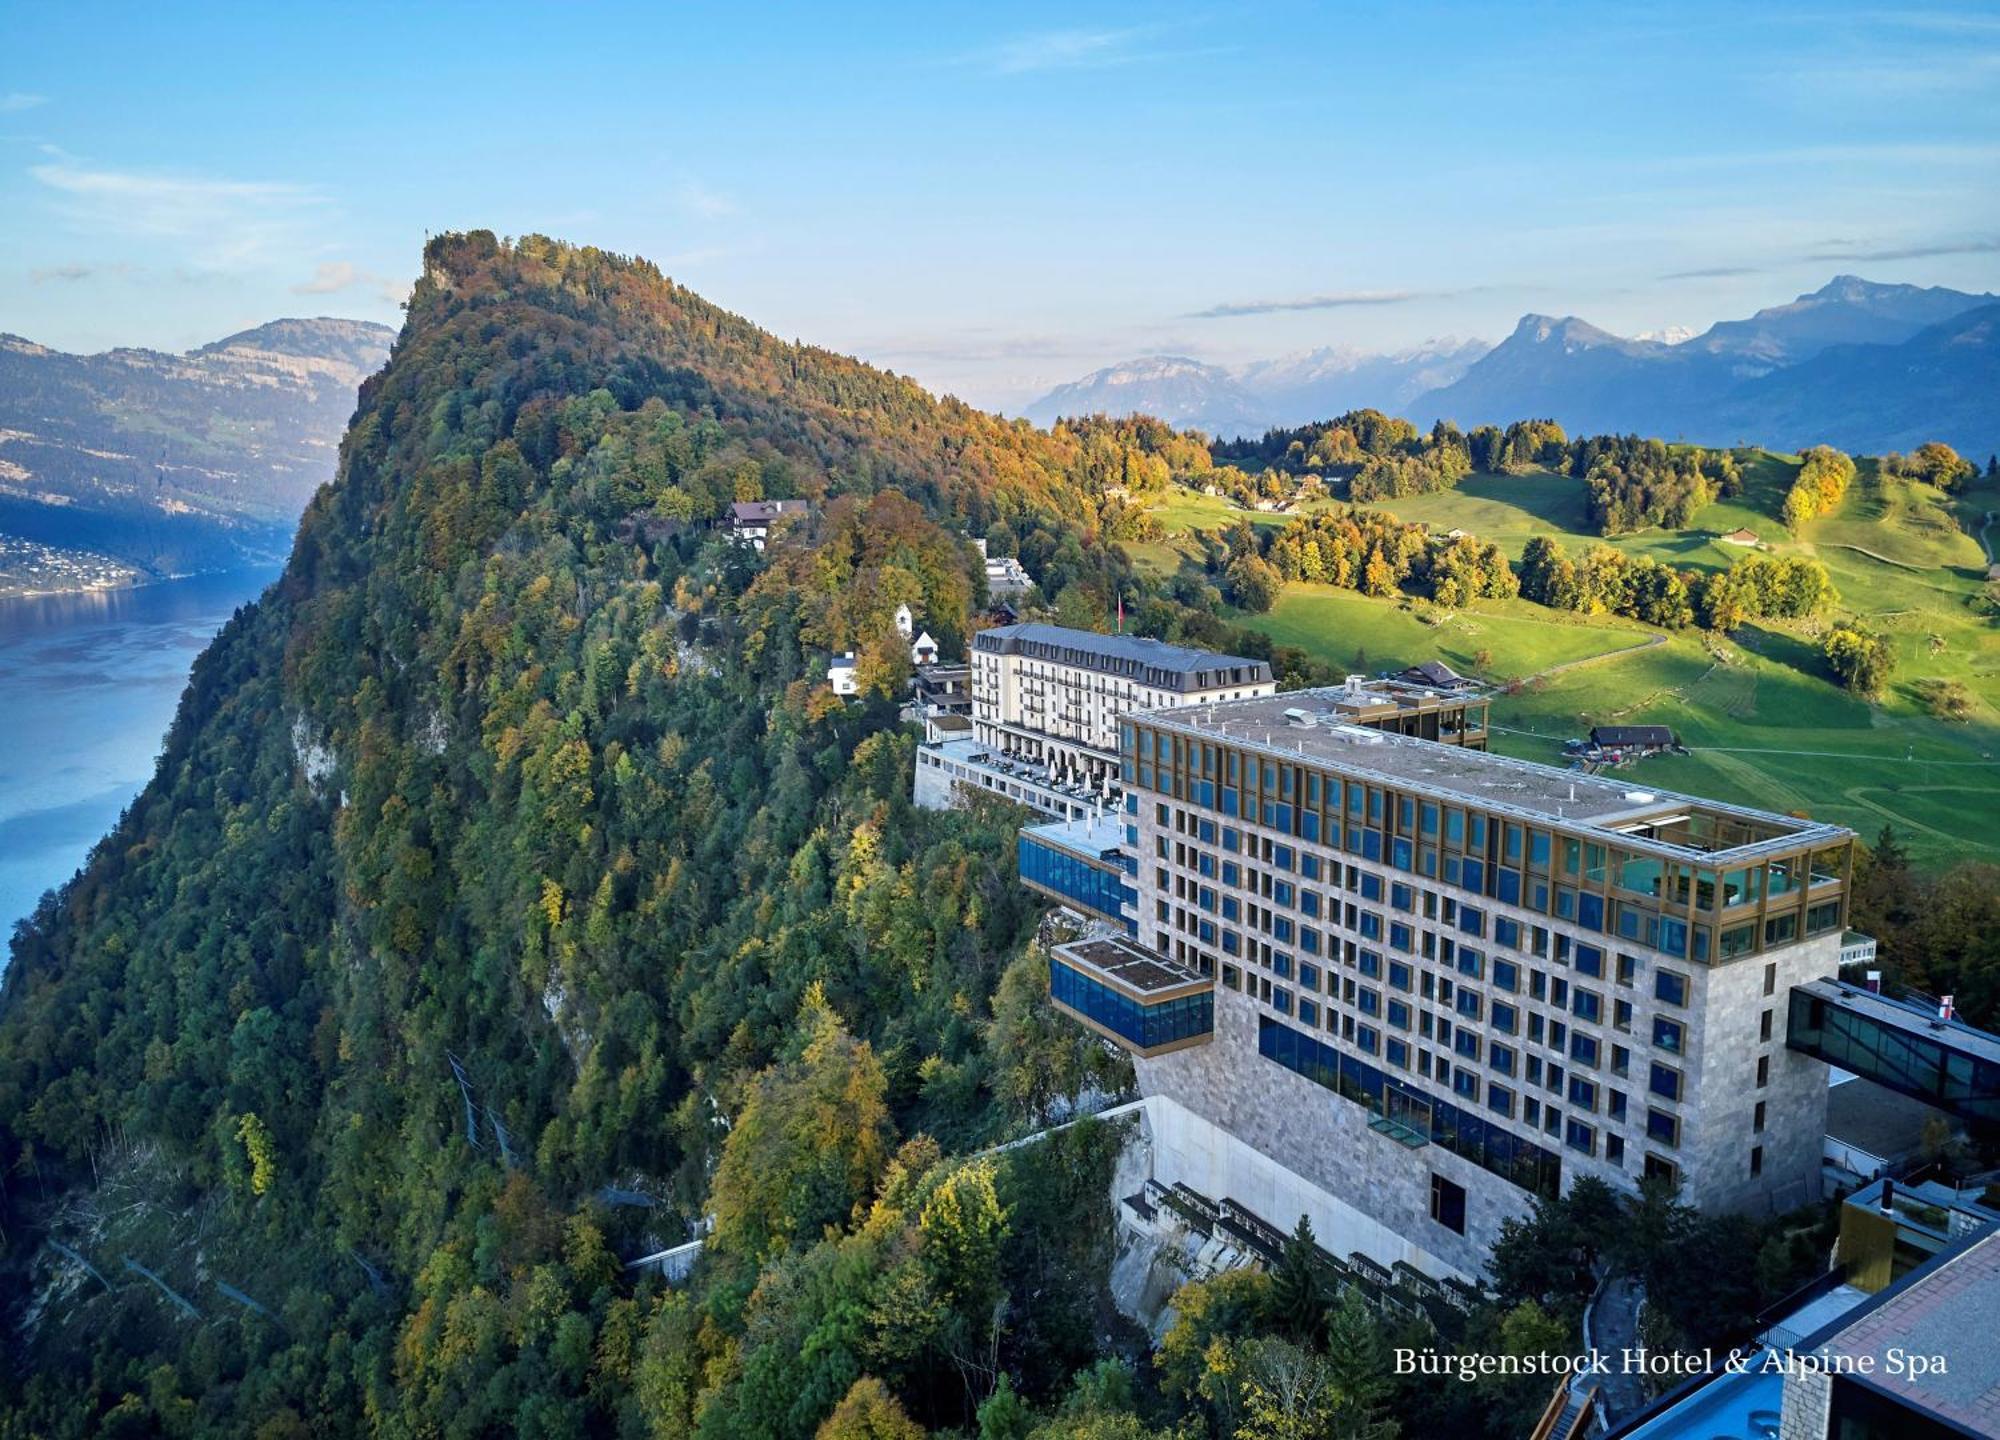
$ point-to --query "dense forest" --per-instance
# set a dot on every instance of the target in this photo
(513, 898)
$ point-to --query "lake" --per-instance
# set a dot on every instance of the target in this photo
(88, 684)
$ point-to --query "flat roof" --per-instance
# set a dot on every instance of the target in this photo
(1951, 1310)
(1093, 837)
(1883, 1122)
(1129, 965)
(1089, 648)
(1544, 794)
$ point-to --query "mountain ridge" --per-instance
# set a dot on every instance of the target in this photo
(1698, 386)
(174, 462)
(1247, 400)
(1725, 384)
(492, 794)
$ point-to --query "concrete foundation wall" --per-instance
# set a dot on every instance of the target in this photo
(1275, 1140)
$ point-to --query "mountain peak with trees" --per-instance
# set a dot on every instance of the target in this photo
(512, 890)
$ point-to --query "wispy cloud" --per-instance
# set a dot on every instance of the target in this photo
(978, 346)
(331, 277)
(1063, 50)
(1902, 154)
(1714, 272)
(1942, 22)
(1079, 48)
(1848, 252)
(15, 101)
(1976, 245)
(1334, 300)
(65, 274)
(219, 222)
(707, 204)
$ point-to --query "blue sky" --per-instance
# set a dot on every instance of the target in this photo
(997, 198)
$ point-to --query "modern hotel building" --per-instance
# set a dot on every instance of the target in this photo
(1444, 982)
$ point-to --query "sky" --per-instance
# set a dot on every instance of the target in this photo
(995, 199)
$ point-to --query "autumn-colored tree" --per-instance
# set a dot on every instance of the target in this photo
(869, 1412)
(261, 1151)
(809, 1144)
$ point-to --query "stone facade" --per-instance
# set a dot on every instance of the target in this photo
(1611, 1057)
(1719, 1128)
(1379, 1189)
(1807, 1405)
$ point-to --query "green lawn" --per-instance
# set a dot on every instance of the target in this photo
(1510, 510)
(1765, 729)
(1899, 520)
(1183, 511)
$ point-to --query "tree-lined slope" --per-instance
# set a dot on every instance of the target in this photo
(498, 859)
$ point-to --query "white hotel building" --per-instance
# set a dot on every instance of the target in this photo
(1045, 707)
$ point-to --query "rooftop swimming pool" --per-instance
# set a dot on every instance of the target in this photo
(1733, 1407)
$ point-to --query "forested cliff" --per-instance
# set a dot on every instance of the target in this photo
(507, 862)
(514, 898)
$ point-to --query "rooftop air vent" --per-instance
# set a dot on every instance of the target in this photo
(1300, 719)
(1640, 797)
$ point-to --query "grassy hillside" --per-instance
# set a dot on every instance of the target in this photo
(1766, 722)
(1515, 638)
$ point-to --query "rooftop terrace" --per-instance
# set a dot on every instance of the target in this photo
(1092, 837)
(1311, 726)
(1130, 966)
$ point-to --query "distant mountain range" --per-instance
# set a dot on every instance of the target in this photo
(1254, 397)
(1865, 366)
(177, 463)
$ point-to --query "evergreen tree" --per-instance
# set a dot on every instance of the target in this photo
(1300, 1290)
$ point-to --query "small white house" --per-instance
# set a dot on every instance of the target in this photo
(905, 622)
(925, 651)
(841, 675)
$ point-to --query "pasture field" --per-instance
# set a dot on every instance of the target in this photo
(1759, 710)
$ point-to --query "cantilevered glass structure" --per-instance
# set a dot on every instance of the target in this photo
(1142, 1002)
(1080, 864)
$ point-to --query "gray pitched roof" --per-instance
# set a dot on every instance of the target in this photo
(1170, 667)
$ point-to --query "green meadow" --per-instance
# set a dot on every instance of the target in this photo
(1759, 711)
